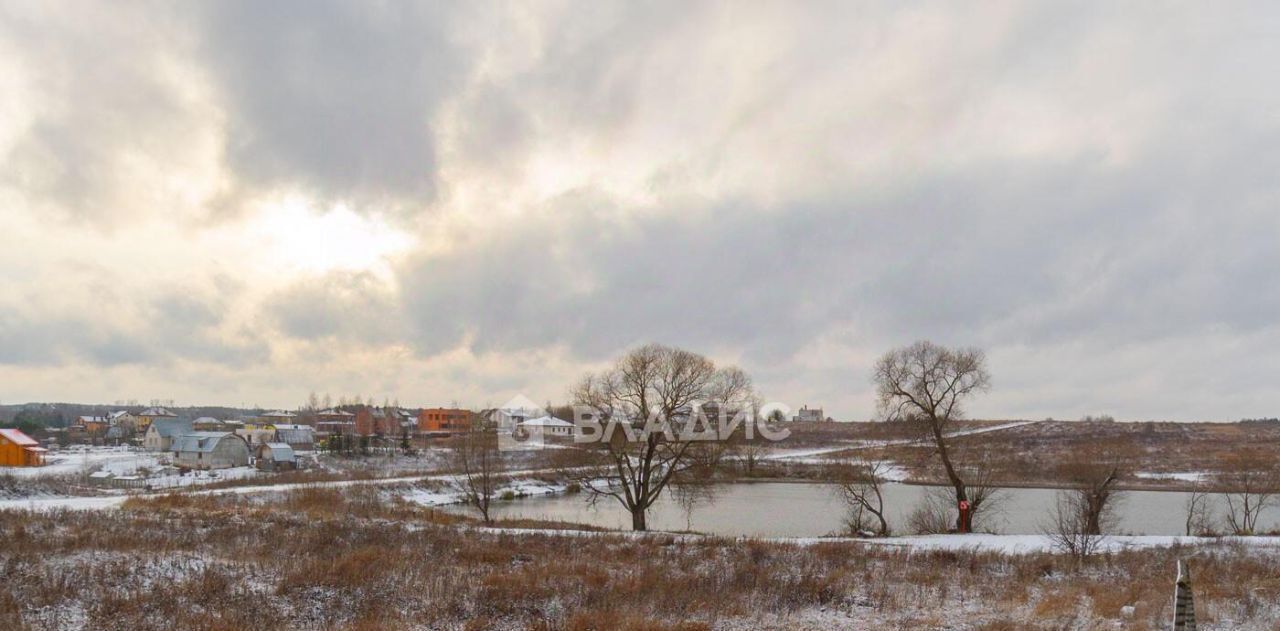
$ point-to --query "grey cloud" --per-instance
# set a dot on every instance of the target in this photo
(997, 254)
(99, 105)
(349, 306)
(112, 329)
(333, 97)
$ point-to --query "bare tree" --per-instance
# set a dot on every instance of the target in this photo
(985, 498)
(1082, 515)
(646, 404)
(1093, 475)
(932, 515)
(1067, 527)
(861, 488)
(927, 384)
(1096, 493)
(1199, 513)
(479, 463)
(1252, 484)
(750, 452)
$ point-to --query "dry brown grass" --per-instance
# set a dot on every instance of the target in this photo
(325, 558)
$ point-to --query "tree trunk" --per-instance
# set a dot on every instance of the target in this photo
(638, 519)
(964, 521)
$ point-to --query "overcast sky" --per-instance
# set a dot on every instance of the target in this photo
(242, 202)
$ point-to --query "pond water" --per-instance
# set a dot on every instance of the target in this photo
(785, 509)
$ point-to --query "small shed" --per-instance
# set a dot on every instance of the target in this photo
(108, 479)
(276, 457)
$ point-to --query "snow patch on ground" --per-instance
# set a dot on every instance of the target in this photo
(453, 495)
(1185, 476)
(69, 503)
(197, 478)
(1004, 544)
(1025, 544)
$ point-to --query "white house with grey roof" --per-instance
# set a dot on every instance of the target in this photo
(162, 431)
(209, 450)
(548, 426)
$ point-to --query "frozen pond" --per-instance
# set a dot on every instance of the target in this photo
(782, 509)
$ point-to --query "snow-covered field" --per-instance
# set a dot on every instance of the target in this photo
(118, 460)
(806, 455)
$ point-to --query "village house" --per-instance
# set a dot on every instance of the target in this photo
(19, 450)
(503, 418)
(269, 420)
(93, 425)
(807, 414)
(299, 437)
(550, 426)
(276, 457)
(331, 421)
(444, 420)
(115, 435)
(149, 415)
(408, 421)
(161, 432)
(208, 424)
(379, 421)
(124, 420)
(256, 434)
(210, 450)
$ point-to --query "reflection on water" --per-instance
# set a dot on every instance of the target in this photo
(781, 509)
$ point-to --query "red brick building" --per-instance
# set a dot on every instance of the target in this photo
(380, 421)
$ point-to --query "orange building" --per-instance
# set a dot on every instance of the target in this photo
(444, 420)
(19, 450)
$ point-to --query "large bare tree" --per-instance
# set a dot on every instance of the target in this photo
(927, 384)
(646, 404)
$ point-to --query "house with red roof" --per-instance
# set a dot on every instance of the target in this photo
(19, 450)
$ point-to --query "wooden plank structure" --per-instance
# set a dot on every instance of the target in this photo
(1184, 608)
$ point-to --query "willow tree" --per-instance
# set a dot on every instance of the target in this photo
(927, 385)
(646, 408)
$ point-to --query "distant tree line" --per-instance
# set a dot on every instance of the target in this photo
(35, 420)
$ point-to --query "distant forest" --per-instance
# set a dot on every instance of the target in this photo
(35, 416)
